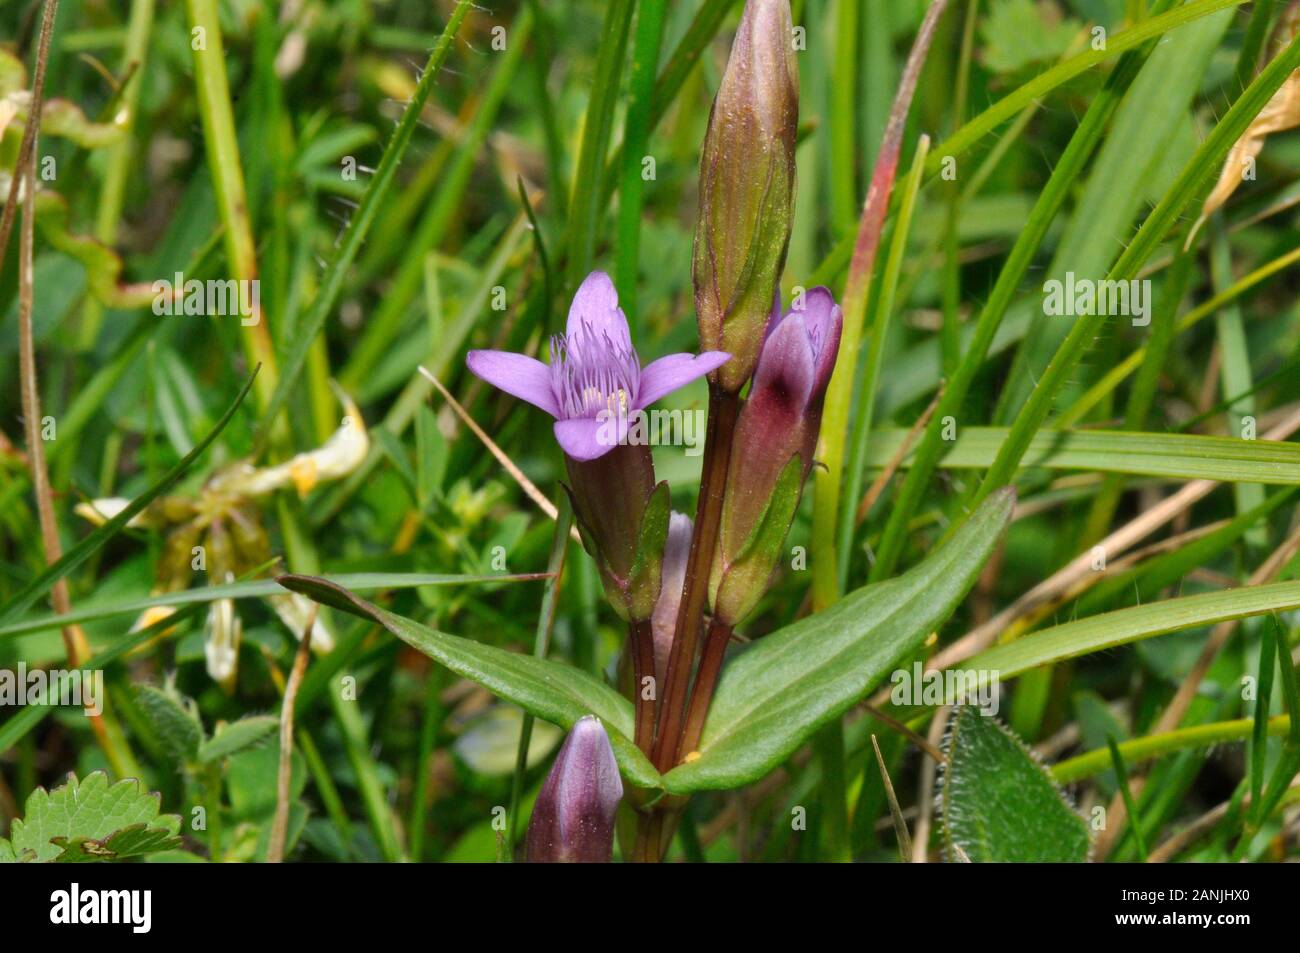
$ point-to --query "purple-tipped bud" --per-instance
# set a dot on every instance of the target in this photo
(747, 181)
(573, 818)
(773, 449)
(663, 623)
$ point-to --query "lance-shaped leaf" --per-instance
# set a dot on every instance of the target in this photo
(999, 804)
(558, 693)
(776, 693)
(234, 737)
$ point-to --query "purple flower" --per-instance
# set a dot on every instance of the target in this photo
(595, 374)
(573, 817)
(775, 439)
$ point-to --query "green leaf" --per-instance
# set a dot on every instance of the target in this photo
(257, 589)
(236, 736)
(745, 580)
(1180, 456)
(552, 691)
(90, 820)
(175, 721)
(774, 695)
(647, 568)
(1106, 631)
(999, 805)
(1017, 34)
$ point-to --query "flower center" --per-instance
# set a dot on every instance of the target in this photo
(591, 373)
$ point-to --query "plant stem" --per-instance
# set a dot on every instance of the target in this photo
(433, 716)
(706, 680)
(636, 136)
(649, 836)
(75, 645)
(857, 290)
(724, 409)
(641, 647)
(213, 94)
(212, 795)
(541, 643)
(828, 744)
(119, 165)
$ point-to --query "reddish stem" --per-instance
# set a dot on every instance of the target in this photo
(724, 409)
(641, 645)
(706, 680)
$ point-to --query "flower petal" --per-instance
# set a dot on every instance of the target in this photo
(595, 313)
(586, 438)
(824, 320)
(786, 364)
(518, 375)
(667, 374)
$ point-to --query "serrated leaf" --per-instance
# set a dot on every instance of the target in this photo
(776, 693)
(134, 841)
(234, 737)
(553, 691)
(998, 803)
(176, 724)
(90, 820)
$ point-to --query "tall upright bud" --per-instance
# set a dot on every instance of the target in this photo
(773, 450)
(747, 181)
(573, 817)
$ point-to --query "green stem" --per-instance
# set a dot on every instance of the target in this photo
(857, 290)
(325, 787)
(828, 745)
(118, 165)
(212, 808)
(1155, 746)
(213, 94)
(433, 715)
(866, 398)
(636, 137)
(541, 644)
(586, 206)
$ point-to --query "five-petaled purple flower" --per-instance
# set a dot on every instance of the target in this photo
(595, 376)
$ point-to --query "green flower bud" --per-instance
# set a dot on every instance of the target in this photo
(747, 181)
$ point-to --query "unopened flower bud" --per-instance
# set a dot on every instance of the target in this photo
(663, 623)
(776, 436)
(747, 181)
(573, 817)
